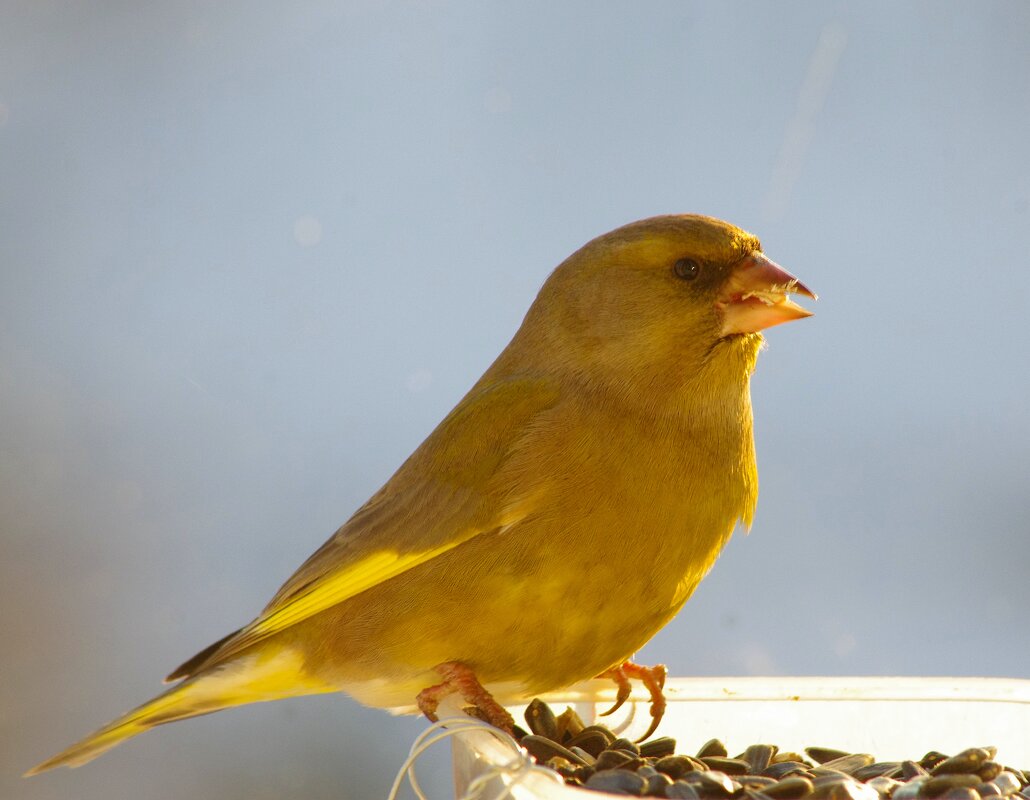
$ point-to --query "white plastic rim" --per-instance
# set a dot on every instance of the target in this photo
(891, 718)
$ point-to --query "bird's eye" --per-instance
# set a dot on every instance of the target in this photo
(687, 269)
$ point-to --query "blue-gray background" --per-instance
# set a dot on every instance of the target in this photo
(250, 254)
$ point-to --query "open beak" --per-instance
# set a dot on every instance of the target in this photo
(756, 296)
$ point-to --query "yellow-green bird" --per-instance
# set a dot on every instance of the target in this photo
(554, 521)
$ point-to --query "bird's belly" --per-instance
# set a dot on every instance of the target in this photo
(538, 608)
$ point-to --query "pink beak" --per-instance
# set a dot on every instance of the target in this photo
(756, 296)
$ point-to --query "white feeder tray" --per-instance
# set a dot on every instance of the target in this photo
(891, 718)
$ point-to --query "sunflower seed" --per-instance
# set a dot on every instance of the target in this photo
(849, 763)
(681, 790)
(593, 741)
(759, 756)
(617, 782)
(658, 748)
(543, 749)
(541, 719)
(713, 747)
(674, 766)
(613, 759)
(968, 760)
(939, 784)
(789, 789)
(731, 766)
(823, 754)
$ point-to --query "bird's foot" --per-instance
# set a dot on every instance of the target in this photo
(653, 679)
(459, 678)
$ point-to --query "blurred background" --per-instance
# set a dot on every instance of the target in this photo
(251, 253)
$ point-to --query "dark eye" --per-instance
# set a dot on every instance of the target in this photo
(687, 269)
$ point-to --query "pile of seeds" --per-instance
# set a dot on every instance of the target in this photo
(593, 757)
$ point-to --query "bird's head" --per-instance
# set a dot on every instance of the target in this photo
(663, 301)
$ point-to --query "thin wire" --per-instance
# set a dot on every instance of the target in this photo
(518, 768)
(479, 784)
(450, 727)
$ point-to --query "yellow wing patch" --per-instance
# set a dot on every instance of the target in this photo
(339, 586)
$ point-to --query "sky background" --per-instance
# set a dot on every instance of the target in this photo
(251, 253)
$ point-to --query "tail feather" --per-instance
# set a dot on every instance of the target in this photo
(170, 705)
(187, 668)
(251, 678)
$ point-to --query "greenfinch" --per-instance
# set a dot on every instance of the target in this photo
(554, 521)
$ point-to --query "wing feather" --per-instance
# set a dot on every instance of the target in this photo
(441, 497)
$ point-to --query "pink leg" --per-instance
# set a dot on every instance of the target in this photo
(653, 679)
(459, 678)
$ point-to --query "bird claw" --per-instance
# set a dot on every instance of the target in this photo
(653, 679)
(459, 678)
(617, 674)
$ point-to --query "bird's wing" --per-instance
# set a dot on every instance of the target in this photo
(442, 496)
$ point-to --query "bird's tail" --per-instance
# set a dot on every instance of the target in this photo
(251, 678)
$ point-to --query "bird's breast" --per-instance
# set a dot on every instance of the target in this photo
(656, 498)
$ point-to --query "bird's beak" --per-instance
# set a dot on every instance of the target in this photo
(756, 296)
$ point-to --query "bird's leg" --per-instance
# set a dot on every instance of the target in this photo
(459, 678)
(653, 679)
(617, 674)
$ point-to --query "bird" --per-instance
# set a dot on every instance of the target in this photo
(555, 520)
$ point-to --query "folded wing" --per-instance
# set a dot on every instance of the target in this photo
(442, 496)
